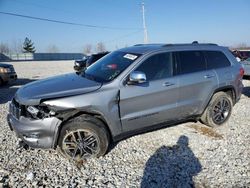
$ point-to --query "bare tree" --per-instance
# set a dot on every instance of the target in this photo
(87, 49)
(241, 46)
(4, 48)
(16, 46)
(53, 49)
(100, 47)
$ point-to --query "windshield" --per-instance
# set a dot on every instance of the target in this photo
(109, 67)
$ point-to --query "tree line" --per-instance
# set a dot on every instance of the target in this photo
(27, 46)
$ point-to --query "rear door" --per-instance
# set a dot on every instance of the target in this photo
(196, 82)
(153, 102)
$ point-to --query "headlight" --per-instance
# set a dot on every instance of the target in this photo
(5, 70)
(33, 110)
(40, 112)
(77, 64)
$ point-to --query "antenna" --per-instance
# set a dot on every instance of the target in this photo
(144, 24)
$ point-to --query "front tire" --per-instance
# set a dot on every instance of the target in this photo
(1, 82)
(83, 137)
(218, 111)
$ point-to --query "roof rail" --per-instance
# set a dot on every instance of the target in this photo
(194, 43)
(211, 44)
(165, 45)
(149, 44)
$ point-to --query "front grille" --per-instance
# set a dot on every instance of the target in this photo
(15, 109)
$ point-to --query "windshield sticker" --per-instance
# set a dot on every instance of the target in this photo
(130, 56)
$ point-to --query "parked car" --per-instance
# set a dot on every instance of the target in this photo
(7, 73)
(246, 65)
(241, 55)
(244, 54)
(131, 90)
(80, 65)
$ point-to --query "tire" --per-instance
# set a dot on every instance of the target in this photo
(1, 82)
(83, 137)
(218, 110)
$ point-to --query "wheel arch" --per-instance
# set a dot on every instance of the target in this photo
(77, 113)
(230, 90)
(227, 89)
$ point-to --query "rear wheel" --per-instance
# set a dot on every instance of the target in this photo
(218, 111)
(83, 137)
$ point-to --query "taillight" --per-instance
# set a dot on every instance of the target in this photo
(242, 71)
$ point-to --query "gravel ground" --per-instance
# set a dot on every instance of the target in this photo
(184, 155)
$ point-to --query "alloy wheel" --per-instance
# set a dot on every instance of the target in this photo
(221, 111)
(81, 144)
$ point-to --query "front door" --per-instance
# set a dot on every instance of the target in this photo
(153, 102)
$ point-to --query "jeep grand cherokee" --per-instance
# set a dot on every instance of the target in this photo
(128, 91)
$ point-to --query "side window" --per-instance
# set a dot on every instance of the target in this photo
(190, 61)
(157, 66)
(216, 59)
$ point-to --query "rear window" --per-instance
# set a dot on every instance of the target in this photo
(190, 61)
(216, 59)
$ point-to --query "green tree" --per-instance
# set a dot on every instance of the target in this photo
(28, 46)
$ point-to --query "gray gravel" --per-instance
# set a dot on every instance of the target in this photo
(184, 155)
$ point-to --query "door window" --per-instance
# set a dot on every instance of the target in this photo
(158, 66)
(190, 61)
(216, 59)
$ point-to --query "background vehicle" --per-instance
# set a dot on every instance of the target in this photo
(87, 61)
(246, 65)
(7, 73)
(241, 54)
(244, 54)
(128, 91)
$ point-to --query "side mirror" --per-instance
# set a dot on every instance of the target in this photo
(137, 77)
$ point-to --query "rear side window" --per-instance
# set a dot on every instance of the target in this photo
(216, 59)
(158, 66)
(190, 61)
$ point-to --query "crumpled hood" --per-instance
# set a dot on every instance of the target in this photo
(55, 87)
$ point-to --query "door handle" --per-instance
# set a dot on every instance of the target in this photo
(209, 76)
(167, 84)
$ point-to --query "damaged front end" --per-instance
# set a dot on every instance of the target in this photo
(37, 125)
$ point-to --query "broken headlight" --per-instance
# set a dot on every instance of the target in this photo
(40, 112)
(33, 110)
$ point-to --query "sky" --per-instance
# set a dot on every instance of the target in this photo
(225, 22)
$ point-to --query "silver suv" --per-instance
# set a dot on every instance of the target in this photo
(130, 90)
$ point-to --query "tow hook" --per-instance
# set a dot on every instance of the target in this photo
(22, 144)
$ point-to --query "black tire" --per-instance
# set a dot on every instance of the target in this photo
(1, 82)
(87, 126)
(216, 115)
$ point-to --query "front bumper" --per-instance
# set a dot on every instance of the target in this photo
(40, 133)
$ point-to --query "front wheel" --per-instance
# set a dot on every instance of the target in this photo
(83, 137)
(218, 111)
(1, 81)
